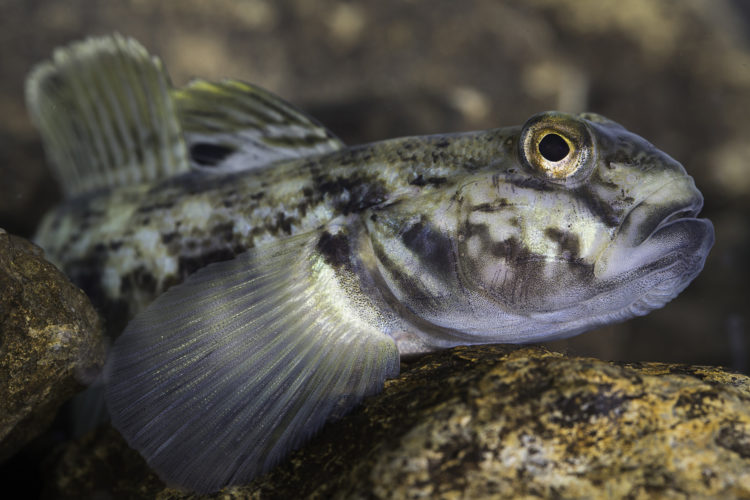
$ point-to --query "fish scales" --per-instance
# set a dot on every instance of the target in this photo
(271, 277)
(125, 246)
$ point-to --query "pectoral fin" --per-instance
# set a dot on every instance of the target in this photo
(226, 373)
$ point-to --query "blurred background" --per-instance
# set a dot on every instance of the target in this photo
(675, 72)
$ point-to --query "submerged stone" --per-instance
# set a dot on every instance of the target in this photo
(495, 421)
(50, 342)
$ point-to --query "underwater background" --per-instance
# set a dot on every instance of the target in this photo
(674, 72)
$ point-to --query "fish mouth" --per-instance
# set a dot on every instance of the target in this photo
(662, 235)
(685, 213)
(674, 201)
(678, 215)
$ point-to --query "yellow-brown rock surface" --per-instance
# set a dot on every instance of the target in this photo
(498, 422)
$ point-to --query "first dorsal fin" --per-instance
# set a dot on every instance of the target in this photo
(106, 116)
(232, 125)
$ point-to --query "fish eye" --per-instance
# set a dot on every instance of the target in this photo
(555, 144)
(553, 147)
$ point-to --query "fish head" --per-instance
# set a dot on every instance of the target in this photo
(580, 224)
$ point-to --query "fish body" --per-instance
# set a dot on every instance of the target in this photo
(272, 277)
(127, 245)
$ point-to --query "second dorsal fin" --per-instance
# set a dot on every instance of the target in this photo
(105, 114)
(232, 125)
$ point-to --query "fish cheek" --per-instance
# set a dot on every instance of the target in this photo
(489, 266)
(510, 274)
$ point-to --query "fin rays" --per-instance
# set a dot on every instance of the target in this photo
(109, 117)
(105, 114)
(223, 375)
(254, 126)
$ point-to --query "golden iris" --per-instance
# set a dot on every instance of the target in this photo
(555, 144)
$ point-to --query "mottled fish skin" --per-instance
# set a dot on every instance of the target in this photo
(125, 246)
(271, 277)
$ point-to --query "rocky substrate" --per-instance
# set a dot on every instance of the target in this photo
(50, 342)
(491, 421)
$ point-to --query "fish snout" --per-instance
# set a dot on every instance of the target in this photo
(661, 231)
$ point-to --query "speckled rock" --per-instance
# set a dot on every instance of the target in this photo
(50, 342)
(494, 421)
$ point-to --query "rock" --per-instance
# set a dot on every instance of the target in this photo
(494, 421)
(99, 465)
(50, 342)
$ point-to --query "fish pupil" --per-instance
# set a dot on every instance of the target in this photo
(553, 147)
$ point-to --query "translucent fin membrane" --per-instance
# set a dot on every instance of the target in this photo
(226, 373)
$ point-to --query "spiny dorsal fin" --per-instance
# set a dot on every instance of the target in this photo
(223, 375)
(231, 126)
(104, 111)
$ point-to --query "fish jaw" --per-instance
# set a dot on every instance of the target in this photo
(660, 247)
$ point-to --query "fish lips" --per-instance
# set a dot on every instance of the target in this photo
(664, 242)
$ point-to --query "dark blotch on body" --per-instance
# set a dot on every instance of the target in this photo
(510, 249)
(471, 166)
(164, 205)
(534, 183)
(430, 246)
(434, 181)
(223, 231)
(167, 238)
(570, 245)
(86, 273)
(140, 278)
(411, 287)
(351, 194)
(334, 248)
(283, 223)
(495, 206)
(603, 210)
